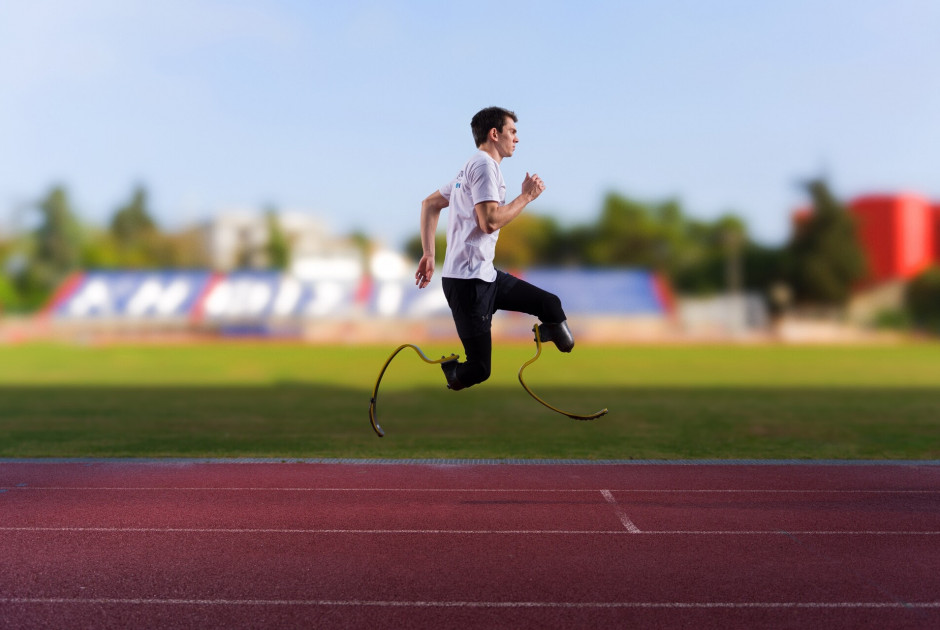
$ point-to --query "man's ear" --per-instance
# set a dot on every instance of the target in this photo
(494, 134)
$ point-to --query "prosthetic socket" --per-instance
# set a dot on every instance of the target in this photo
(559, 334)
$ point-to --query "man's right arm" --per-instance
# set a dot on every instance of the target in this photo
(430, 213)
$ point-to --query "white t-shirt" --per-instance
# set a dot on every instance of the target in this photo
(470, 250)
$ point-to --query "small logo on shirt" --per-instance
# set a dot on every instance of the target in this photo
(458, 185)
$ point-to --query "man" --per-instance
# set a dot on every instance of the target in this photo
(473, 287)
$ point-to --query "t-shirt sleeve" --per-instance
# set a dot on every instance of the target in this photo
(483, 180)
(447, 189)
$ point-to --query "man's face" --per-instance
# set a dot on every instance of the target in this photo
(506, 139)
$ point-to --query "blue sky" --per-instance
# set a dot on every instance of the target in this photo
(357, 110)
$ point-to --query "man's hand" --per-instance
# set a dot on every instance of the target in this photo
(425, 271)
(532, 186)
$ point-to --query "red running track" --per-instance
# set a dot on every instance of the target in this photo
(196, 545)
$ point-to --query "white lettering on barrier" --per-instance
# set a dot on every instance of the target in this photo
(93, 295)
(247, 297)
(153, 296)
(327, 298)
(287, 297)
(238, 298)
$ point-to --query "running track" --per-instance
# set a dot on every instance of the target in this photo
(187, 544)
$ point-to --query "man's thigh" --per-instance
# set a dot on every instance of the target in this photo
(472, 303)
(514, 294)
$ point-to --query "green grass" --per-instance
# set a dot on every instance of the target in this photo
(253, 400)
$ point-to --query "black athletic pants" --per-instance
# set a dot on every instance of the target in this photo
(473, 302)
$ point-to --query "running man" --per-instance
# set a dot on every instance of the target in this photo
(474, 288)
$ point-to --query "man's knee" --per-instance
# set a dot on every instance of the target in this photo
(551, 309)
(475, 372)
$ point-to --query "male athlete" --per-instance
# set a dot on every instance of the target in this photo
(473, 287)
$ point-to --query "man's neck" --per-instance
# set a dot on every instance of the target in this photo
(491, 151)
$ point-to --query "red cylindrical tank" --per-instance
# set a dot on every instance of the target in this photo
(897, 233)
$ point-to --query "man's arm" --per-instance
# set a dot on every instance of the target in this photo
(492, 216)
(430, 213)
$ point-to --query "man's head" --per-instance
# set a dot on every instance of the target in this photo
(491, 119)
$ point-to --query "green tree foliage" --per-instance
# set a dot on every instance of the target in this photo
(132, 224)
(56, 248)
(277, 248)
(415, 250)
(922, 299)
(133, 240)
(58, 237)
(824, 257)
(699, 257)
(634, 234)
(184, 249)
(9, 295)
(527, 241)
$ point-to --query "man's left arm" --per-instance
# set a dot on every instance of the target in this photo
(491, 216)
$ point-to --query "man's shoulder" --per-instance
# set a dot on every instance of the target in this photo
(480, 163)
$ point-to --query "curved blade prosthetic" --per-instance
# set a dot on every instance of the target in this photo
(375, 390)
(538, 352)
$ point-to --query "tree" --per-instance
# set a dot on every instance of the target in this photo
(58, 237)
(629, 234)
(415, 249)
(9, 296)
(526, 242)
(825, 258)
(277, 248)
(922, 299)
(132, 223)
(132, 240)
(710, 257)
(57, 247)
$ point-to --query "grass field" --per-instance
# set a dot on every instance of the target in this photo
(282, 401)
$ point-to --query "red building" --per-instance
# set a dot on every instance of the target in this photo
(935, 212)
(899, 233)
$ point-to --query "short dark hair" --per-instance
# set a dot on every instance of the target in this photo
(489, 118)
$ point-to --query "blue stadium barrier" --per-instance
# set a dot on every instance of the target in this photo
(249, 300)
(603, 291)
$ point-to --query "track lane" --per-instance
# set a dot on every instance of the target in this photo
(518, 575)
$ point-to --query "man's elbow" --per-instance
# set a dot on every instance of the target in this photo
(435, 202)
(487, 227)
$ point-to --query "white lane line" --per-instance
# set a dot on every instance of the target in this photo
(566, 532)
(469, 490)
(457, 604)
(627, 523)
(569, 532)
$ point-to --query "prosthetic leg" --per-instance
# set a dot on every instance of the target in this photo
(561, 336)
(375, 390)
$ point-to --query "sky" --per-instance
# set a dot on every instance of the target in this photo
(355, 111)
